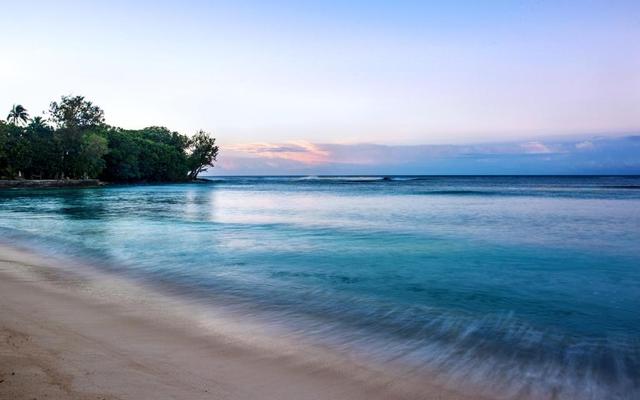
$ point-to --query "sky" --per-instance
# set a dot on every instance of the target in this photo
(347, 87)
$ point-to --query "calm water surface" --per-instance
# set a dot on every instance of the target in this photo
(530, 285)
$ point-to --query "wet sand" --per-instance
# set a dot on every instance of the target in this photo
(66, 335)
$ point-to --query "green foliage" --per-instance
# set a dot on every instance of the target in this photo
(92, 151)
(46, 161)
(3, 140)
(16, 151)
(18, 115)
(77, 121)
(80, 145)
(151, 154)
(75, 112)
(203, 152)
(163, 135)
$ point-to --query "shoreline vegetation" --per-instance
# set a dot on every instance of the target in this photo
(49, 183)
(75, 183)
(67, 333)
(74, 146)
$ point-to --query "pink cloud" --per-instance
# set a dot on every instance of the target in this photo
(300, 151)
(536, 148)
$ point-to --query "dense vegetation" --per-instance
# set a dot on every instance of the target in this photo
(74, 142)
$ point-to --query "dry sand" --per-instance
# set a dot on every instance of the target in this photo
(67, 336)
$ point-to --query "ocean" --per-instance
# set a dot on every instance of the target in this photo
(522, 286)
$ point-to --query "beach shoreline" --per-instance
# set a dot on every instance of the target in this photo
(49, 183)
(69, 335)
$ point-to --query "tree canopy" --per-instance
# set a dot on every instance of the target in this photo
(75, 112)
(74, 142)
(202, 153)
(18, 114)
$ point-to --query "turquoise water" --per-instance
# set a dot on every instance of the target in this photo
(527, 285)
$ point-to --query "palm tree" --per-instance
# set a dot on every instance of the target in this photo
(18, 114)
(38, 122)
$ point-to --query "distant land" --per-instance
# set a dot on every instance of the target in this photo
(75, 143)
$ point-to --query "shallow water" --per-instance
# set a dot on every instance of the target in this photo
(528, 285)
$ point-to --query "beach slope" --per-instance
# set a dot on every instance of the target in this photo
(63, 336)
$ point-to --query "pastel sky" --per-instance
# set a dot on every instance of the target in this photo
(591, 156)
(316, 86)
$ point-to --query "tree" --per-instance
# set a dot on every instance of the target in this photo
(150, 154)
(160, 134)
(76, 112)
(91, 159)
(202, 153)
(76, 143)
(16, 151)
(45, 153)
(38, 123)
(4, 156)
(18, 115)
(123, 158)
(74, 117)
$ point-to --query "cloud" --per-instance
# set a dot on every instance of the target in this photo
(302, 152)
(536, 148)
(611, 155)
(584, 145)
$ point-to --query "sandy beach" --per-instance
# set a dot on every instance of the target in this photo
(65, 335)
